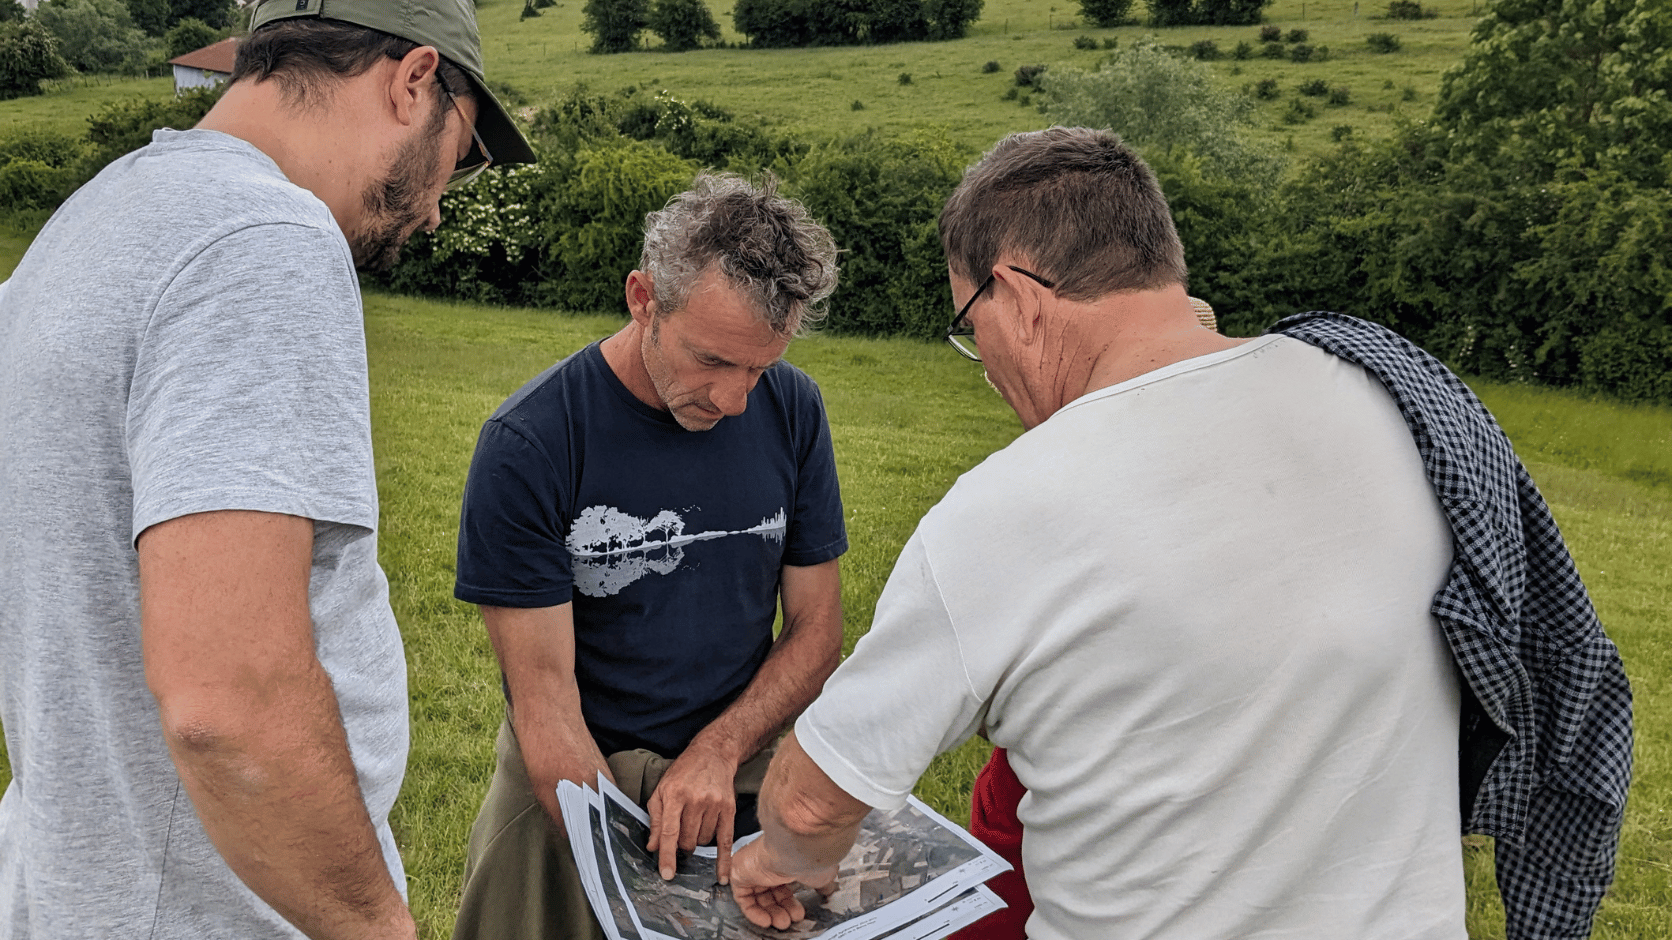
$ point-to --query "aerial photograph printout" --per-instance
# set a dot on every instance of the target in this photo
(911, 875)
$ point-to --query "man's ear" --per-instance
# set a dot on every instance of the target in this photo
(412, 85)
(641, 298)
(1025, 296)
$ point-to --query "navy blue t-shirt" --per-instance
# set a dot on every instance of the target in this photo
(669, 542)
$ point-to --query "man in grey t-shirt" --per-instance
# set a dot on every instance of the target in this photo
(201, 682)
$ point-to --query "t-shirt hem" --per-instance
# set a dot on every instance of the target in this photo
(818, 556)
(840, 771)
(488, 598)
(362, 516)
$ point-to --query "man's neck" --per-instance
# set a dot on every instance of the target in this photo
(318, 148)
(624, 354)
(1123, 336)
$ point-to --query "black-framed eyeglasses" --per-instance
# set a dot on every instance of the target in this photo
(478, 159)
(959, 332)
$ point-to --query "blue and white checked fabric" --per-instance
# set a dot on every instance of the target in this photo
(1545, 745)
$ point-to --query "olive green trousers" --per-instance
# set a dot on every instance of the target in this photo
(520, 879)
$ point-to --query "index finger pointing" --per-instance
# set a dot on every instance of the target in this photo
(723, 848)
(665, 840)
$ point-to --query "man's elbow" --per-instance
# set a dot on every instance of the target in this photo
(807, 816)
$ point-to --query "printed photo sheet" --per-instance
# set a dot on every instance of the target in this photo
(911, 875)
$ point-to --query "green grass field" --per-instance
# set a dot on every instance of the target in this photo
(811, 92)
(907, 418)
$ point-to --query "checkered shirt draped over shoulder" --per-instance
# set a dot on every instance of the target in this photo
(1553, 747)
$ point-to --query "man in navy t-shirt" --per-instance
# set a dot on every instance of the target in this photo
(633, 518)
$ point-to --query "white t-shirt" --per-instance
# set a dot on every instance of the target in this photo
(1195, 608)
(183, 336)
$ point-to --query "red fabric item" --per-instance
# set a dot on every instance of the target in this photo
(993, 802)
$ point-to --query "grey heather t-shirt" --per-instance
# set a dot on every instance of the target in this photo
(183, 336)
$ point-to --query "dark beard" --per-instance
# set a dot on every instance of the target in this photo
(393, 204)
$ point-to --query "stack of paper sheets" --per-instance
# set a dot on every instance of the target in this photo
(911, 875)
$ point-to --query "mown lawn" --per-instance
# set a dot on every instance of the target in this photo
(907, 418)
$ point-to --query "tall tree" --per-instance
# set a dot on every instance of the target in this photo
(94, 35)
(1106, 13)
(217, 13)
(1551, 80)
(615, 24)
(683, 24)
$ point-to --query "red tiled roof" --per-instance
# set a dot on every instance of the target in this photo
(213, 58)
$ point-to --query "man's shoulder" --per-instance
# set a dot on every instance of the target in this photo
(554, 387)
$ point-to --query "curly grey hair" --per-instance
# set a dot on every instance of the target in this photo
(766, 245)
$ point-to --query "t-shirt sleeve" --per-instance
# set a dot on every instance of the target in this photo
(817, 531)
(903, 697)
(511, 528)
(249, 388)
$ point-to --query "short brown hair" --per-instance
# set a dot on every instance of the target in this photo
(302, 55)
(1077, 204)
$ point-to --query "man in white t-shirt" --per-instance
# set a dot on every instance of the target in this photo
(1191, 601)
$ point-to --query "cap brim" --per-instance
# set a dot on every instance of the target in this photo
(505, 141)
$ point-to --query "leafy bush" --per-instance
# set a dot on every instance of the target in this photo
(1340, 132)
(1158, 101)
(883, 197)
(682, 24)
(1266, 89)
(1314, 88)
(1299, 112)
(1340, 95)
(28, 54)
(125, 126)
(1270, 33)
(1206, 49)
(615, 24)
(1300, 52)
(1273, 50)
(1106, 13)
(1296, 35)
(1382, 42)
(990, 66)
(1028, 75)
(38, 168)
(905, 78)
(785, 23)
(1111, 42)
(1408, 10)
(1083, 41)
(1205, 12)
(1242, 51)
(31, 184)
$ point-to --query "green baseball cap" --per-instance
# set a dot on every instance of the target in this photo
(448, 25)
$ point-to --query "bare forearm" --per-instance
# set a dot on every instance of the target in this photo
(536, 650)
(276, 790)
(808, 824)
(554, 739)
